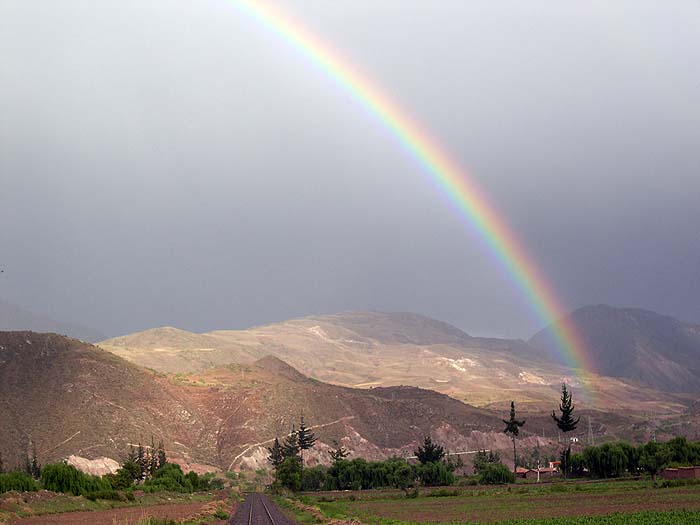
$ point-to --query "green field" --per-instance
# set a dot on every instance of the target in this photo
(555, 504)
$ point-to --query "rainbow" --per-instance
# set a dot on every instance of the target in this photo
(454, 182)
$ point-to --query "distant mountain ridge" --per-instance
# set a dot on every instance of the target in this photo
(14, 318)
(380, 349)
(639, 345)
(68, 397)
(358, 349)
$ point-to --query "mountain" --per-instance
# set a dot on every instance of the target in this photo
(638, 345)
(378, 349)
(68, 398)
(361, 349)
(13, 317)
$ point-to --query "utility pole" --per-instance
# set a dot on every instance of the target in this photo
(590, 432)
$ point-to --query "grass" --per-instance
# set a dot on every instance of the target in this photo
(294, 512)
(43, 503)
(555, 504)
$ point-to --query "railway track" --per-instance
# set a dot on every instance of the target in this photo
(257, 509)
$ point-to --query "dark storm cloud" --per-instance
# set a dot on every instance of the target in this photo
(173, 163)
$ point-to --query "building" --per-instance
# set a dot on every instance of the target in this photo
(521, 472)
(545, 472)
(681, 473)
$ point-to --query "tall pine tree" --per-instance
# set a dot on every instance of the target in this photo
(513, 428)
(162, 458)
(305, 437)
(141, 461)
(290, 447)
(566, 423)
(276, 456)
(430, 452)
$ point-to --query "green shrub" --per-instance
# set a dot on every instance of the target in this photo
(18, 481)
(171, 478)
(443, 493)
(434, 474)
(412, 494)
(359, 474)
(289, 473)
(313, 478)
(61, 477)
(495, 474)
(221, 515)
(467, 481)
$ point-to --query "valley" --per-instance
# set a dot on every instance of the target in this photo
(374, 382)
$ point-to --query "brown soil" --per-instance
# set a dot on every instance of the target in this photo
(513, 506)
(123, 516)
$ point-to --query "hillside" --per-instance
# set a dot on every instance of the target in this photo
(373, 349)
(361, 349)
(13, 317)
(650, 349)
(71, 398)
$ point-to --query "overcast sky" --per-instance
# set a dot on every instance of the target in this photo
(173, 163)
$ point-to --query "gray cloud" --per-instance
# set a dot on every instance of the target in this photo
(173, 163)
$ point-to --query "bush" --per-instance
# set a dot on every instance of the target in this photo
(221, 515)
(61, 477)
(313, 478)
(496, 474)
(125, 477)
(18, 481)
(289, 473)
(606, 461)
(359, 474)
(170, 477)
(434, 474)
(467, 481)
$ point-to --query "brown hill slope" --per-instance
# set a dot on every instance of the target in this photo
(372, 349)
(362, 349)
(651, 349)
(68, 397)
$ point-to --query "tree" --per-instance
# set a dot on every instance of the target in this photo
(483, 458)
(566, 422)
(496, 474)
(289, 473)
(434, 473)
(513, 428)
(402, 476)
(290, 447)
(152, 460)
(276, 456)
(141, 462)
(162, 457)
(339, 453)
(305, 437)
(430, 452)
(654, 457)
(31, 464)
(2, 466)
